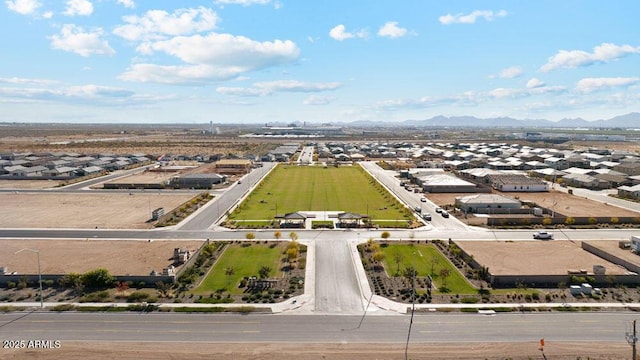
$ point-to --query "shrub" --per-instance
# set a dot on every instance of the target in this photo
(137, 296)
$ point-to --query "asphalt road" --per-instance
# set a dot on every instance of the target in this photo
(430, 328)
(224, 202)
(337, 289)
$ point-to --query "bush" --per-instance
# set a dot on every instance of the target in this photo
(98, 296)
(137, 296)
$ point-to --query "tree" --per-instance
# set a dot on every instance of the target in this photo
(292, 254)
(378, 256)
(435, 260)
(397, 257)
(250, 236)
(264, 272)
(99, 278)
(163, 288)
(293, 236)
(444, 274)
(385, 235)
(277, 235)
(230, 271)
(73, 281)
(569, 220)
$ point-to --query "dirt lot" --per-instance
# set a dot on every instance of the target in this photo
(567, 204)
(65, 256)
(28, 184)
(542, 257)
(104, 211)
(278, 351)
(612, 248)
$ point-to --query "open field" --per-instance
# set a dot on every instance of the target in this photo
(65, 256)
(245, 261)
(334, 351)
(290, 189)
(567, 204)
(535, 257)
(104, 211)
(28, 184)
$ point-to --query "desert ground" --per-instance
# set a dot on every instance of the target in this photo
(567, 204)
(542, 257)
(66, 256)
(95, 210)
(333, 351)
(28, 184)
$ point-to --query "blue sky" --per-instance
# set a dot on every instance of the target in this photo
(266, 61)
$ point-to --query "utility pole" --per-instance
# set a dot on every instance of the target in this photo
(632, 339)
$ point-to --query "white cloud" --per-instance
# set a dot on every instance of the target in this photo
(318, 100)
(158, 24)
(603, 53)
(509, 73)
(240, 91)
(22, 81)
(297, 86)
(129, 4)
(85, 43)
(212, 57)
(592, 84)
(534, 83)
(392, 30)
(471, 18)
(79, 7)
(269, 87)
(339, 33)
(242, 2)
(23, 7)
(95, 94)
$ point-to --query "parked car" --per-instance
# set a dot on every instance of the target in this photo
(418, 209)
(543, 235)
(426, 216)
(438, 210)
(423, 199)
(444, 214)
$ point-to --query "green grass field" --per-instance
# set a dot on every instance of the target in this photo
(245, 261)
(305, 188)
(420, 256)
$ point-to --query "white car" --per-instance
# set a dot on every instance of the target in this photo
(438, 210)
(543, 235)
(423, 199)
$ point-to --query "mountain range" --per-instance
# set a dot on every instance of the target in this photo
(630, 120)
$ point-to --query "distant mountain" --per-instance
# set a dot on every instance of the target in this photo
(631, 120)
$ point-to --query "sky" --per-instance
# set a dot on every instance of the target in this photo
(311, 61)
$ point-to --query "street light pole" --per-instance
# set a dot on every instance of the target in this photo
(39, 273)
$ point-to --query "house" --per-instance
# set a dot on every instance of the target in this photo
(233, 166)
(519, 183)
(584, 181)
(632, 192)
(632, 168)
(197, 181)
(486, 203)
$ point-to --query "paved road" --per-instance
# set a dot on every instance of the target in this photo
(431, 328)
(391, 182)
(213, 211)
(337, 289)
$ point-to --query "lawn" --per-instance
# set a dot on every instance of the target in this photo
(245, 259)
(427, 260)
(314, 188)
